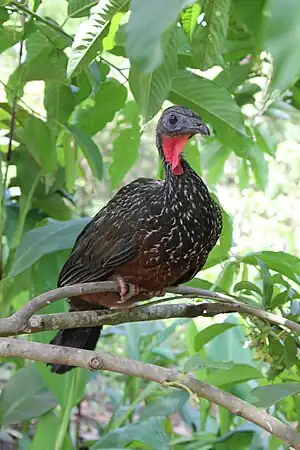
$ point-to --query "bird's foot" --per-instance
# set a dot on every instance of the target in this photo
(127, 290)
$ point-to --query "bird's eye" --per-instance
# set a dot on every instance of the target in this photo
(172, 119)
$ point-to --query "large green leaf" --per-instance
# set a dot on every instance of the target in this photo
(281, 262)
(214, 104)
(108, 100)
(39, 140)
(89, 149)
(58, 101)
(80, 8)
(42, 240)
(165, 406)
(209, 333)
(24, 397)
(271, 394)
(88, 40)
(237, 374)
(208, 40)
(152, 88)
(149, 432)
(221, 251)
(126, 145)
(46, 434)
(282, 33)
(146, 26)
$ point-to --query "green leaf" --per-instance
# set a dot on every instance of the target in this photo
(165, 406)
(290, 352)
(108, 100)
(71, 161)
(281, 262)
(4, 16)
(80, 8)
(220, 252)
(214, 104)
(149, 432)
(273, 393)
(247, 286)
(239, 439)
(24, 397)
(46, 434)
(58, 101)
(259, 166)
(38, 138)
(208, 40)
(126, 145)
(145, 29)
(243, 174)
(283, 32)
(209, 333)
(189, 18)
(237, 374)
(89, 149)
(43, 240)
(152, 88)
(232, 77)
(88, 40)
(8, 38)
(197, 362)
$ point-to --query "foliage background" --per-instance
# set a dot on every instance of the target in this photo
(84, 114)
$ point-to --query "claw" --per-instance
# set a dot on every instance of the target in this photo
(127, 290)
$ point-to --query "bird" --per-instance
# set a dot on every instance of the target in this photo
(151, 235)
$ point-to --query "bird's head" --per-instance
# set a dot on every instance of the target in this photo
(176, 125)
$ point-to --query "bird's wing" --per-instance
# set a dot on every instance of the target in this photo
(110, 239)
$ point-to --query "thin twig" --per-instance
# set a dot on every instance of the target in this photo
(166, 377)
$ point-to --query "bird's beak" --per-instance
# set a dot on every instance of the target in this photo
(203, 129)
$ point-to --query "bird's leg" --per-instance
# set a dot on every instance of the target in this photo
(127, 290)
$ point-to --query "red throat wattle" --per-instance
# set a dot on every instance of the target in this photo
(172, 147)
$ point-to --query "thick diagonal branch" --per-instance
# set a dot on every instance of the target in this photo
(106, 361)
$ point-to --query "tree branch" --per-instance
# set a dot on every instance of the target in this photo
(20, 321)
(166, 377)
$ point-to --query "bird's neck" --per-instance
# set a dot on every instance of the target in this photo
(186, 184)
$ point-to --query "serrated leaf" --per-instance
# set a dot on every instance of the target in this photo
(24, 397)
(80, 8)
(152, 88)
(208, 40)
(189, 18)
(39, 140)
(43, 240)
(126, 146)
(209, 333)
(89, 149)
(145, 29)
(282, 32)
(215, 106)
(273, 393)
(88, 40)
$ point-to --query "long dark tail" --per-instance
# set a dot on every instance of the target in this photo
(83, 338)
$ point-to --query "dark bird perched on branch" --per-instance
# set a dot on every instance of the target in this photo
(152, 234)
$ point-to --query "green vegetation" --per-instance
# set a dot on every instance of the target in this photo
(81, 82)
